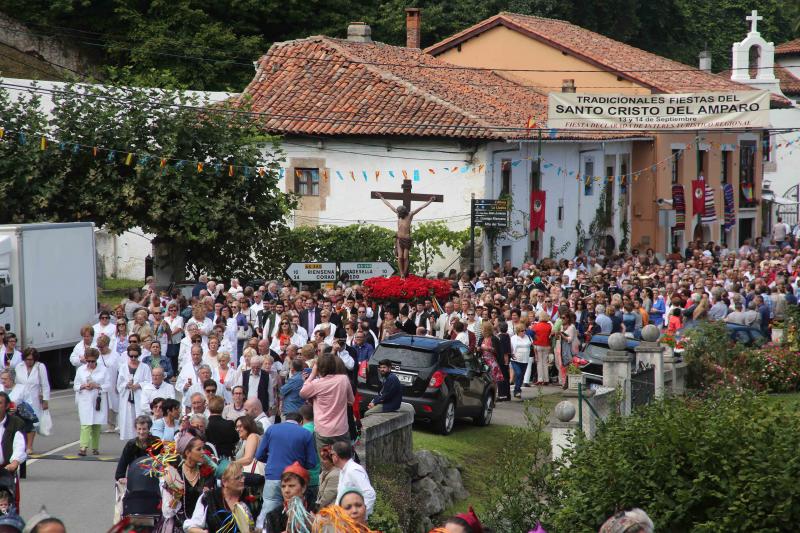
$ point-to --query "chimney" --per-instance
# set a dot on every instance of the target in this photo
(567, 86)
(413, 15)
(359, 32)
(705, 60)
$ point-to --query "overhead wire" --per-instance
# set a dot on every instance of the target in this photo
(332, 120)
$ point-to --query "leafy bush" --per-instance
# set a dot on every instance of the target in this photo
(518, 488)
(709, 353)
(723, 463)
(395, 511)
(771, 368)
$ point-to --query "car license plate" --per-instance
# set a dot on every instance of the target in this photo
(405, 379)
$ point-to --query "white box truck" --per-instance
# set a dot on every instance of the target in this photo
(48, 289)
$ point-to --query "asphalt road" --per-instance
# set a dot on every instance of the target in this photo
(78, 491)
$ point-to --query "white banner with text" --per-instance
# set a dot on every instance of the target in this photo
(706, 111)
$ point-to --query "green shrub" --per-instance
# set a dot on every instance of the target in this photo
(395, 510)
(384, 518)
(709, 354)
(771, 368)
(723, 463)
(518, 487)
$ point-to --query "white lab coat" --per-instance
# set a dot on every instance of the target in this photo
(77, 354)
(233, 377)
(150, 393)
(16, 358)
(296, 339)
(36, 384)
(129, 411)
(111, 362)
(110, 331)
(86, 398)
(188, 372)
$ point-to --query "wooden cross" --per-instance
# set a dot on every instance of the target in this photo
(407, 196)
(754, 18)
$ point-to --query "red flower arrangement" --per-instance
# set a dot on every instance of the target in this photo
(409, 288)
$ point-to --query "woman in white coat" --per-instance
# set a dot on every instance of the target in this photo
(110, 360)
(32, 375)
(132, 375)
(91, 382)
(11, 356)
(104, 326)
(77, 356)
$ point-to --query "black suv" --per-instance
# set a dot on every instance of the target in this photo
(441, 379)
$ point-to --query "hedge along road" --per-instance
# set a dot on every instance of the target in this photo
(78, 491)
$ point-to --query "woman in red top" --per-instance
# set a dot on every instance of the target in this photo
(541, 346)
(674, 321)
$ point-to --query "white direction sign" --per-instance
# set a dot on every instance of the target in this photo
(362, 271)
(311, 271)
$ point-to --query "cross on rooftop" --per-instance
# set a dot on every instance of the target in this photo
(754, 18)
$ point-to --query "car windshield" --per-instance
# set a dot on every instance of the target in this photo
(405, 356)
(596, 351)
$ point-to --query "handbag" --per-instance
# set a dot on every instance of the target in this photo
(97, 403)
(25, 412)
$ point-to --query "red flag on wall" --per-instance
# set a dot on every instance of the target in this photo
(537, 210)
(698, 197)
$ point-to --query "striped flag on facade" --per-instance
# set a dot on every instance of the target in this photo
(679, 205)
(727, 197)
(709, 213)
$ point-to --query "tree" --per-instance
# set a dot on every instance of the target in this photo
(215, 220)
(430, 239)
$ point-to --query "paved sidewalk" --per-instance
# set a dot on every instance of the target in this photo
(512, 413)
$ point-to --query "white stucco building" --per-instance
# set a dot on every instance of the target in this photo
(760, 64)
(358, 116)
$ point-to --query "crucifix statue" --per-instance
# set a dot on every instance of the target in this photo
(402, 242)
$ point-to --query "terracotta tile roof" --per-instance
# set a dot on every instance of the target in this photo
(325, 86)
(651, 70)
(789, 83)
(788, 48)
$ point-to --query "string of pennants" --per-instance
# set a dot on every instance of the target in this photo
(131, 159)
(142, 159)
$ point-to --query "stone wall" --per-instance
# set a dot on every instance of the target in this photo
(385, 439)
(49, 49)
(433, 482)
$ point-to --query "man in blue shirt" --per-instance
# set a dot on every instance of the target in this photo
(363, 349)
(602, 320)
(763, 313)
(290, 391)
(391, 395)
(282, 445)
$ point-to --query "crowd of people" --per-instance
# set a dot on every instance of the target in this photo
(255, 390)
(264, 377)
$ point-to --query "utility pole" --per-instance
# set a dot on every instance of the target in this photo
(472, 233)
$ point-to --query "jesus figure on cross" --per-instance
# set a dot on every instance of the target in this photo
(402, 242)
